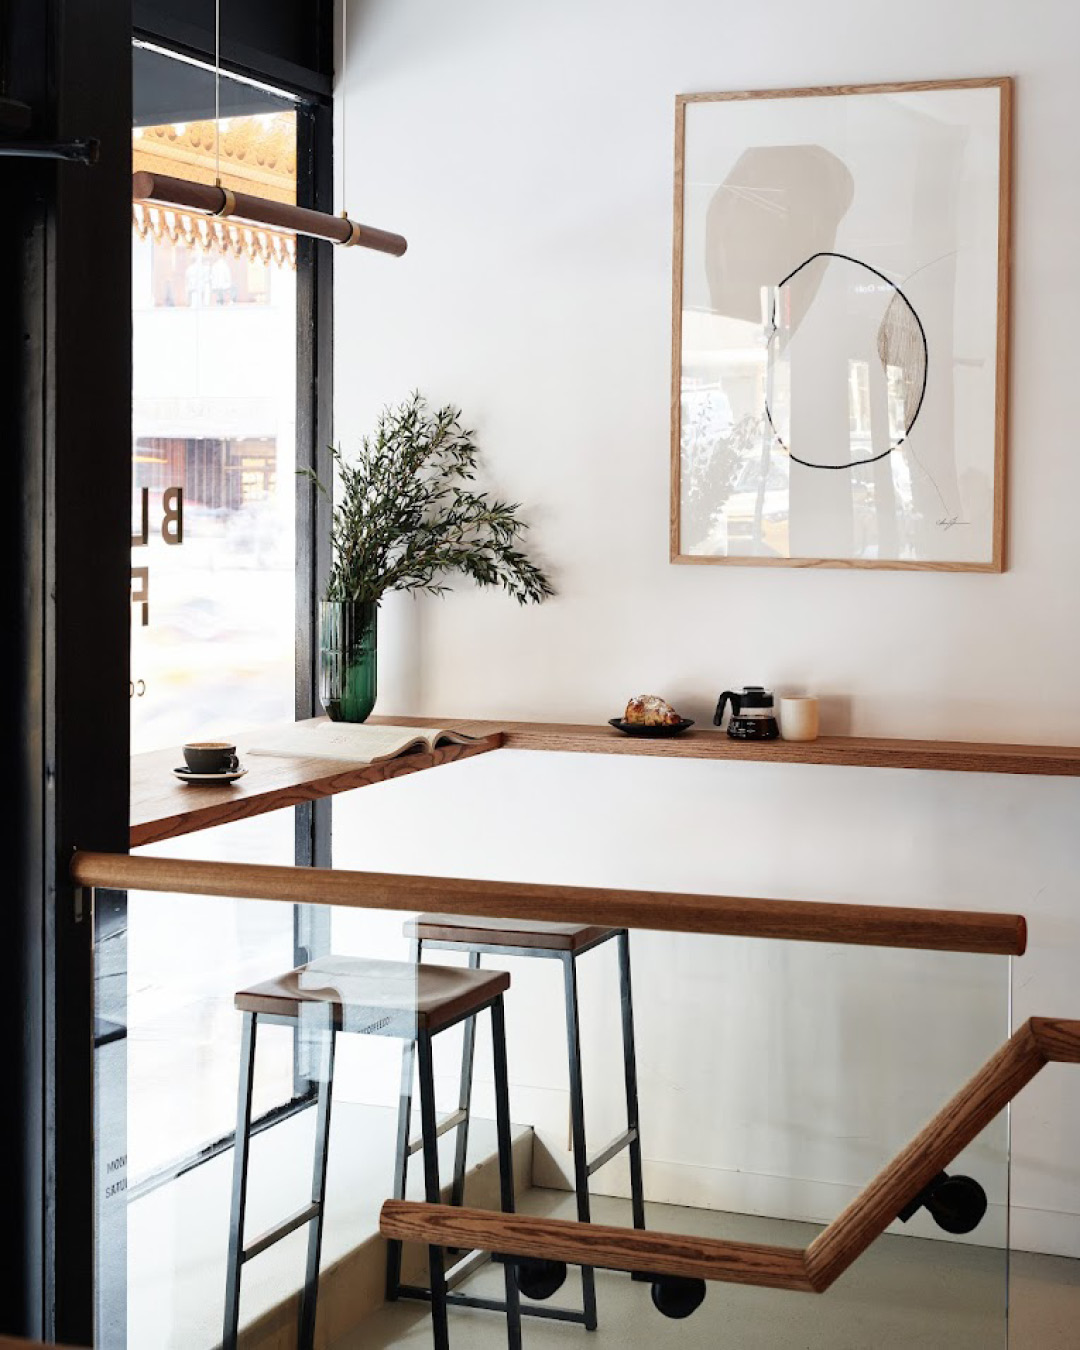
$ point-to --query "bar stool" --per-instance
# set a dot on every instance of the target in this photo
(565, 943)
(371, 998)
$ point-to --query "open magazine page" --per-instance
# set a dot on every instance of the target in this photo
(356, 743)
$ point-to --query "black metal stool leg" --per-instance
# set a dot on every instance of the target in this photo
(506, 1162)
(461, 1150)
(577, 1129)
(432, 1193)
(239, 1182)
(633, 1123)
(309, 1297)
(401, 1163)
(401, 1146)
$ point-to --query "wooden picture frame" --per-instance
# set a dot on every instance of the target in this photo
(902, 517)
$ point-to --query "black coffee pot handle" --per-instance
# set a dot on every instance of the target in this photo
(736, 706)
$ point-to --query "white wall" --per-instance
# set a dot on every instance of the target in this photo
(526, 152)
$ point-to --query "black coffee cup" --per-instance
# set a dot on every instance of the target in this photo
(210, 757)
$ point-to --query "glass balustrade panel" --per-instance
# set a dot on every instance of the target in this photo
(775, 1081)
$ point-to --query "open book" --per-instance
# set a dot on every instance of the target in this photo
(353, 742)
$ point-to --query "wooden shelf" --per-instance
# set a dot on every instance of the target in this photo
(711, 743)
(162, 808)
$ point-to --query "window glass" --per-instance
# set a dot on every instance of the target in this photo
(212, 609)
(214, 414)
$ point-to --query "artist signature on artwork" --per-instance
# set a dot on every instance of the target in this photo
(950, 522)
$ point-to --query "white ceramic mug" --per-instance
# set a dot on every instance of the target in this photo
(799, 719)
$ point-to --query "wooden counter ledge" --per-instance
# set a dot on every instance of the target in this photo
(162, 807)
(712, 743)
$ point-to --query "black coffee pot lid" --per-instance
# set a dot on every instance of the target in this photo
(756, 696)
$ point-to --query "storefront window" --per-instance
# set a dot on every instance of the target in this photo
(214, 412)
(213, 563)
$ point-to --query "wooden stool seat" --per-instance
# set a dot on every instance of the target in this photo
(390, 998)
(369, 998)
(566, 943)
(561, 937)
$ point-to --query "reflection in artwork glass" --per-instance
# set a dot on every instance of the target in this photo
(839, 303)
(897, 335)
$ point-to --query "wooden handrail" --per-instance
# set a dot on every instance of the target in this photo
(936, 1145)
(17, 1343)
(1040, 1041)
(594, 1244)
(735, 916)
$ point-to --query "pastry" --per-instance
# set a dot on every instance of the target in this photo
(649, 711)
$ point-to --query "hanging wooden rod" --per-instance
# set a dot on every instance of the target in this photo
(1040, 1041)
(225, 204)
(733, 916)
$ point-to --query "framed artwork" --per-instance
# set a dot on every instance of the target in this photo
(840, 326)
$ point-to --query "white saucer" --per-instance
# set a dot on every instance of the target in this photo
(229, 776)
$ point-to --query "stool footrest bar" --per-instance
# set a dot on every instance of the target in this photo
(283, 1229)
(468, 1265)
(616, 1146)
(451, 1122)
(492, 1304)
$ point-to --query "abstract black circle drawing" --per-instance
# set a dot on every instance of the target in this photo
(898, 337)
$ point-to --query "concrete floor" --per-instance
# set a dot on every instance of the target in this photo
(904, 1294)
(177, 1235)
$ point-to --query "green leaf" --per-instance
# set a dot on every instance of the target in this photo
(403, 520)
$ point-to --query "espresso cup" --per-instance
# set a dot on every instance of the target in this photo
(210, 757)
(799, 719)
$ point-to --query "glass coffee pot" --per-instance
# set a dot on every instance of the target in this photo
(752, 716)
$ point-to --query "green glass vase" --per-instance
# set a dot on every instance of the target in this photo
(348, 658)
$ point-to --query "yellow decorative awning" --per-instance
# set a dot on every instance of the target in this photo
(166, 224)
(254, 154)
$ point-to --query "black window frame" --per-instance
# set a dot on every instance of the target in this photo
(65, 74)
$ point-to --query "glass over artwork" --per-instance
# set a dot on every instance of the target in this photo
(839, 360)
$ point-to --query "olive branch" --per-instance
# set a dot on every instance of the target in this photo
(407, 516)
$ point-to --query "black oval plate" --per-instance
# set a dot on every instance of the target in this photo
(640, 729)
